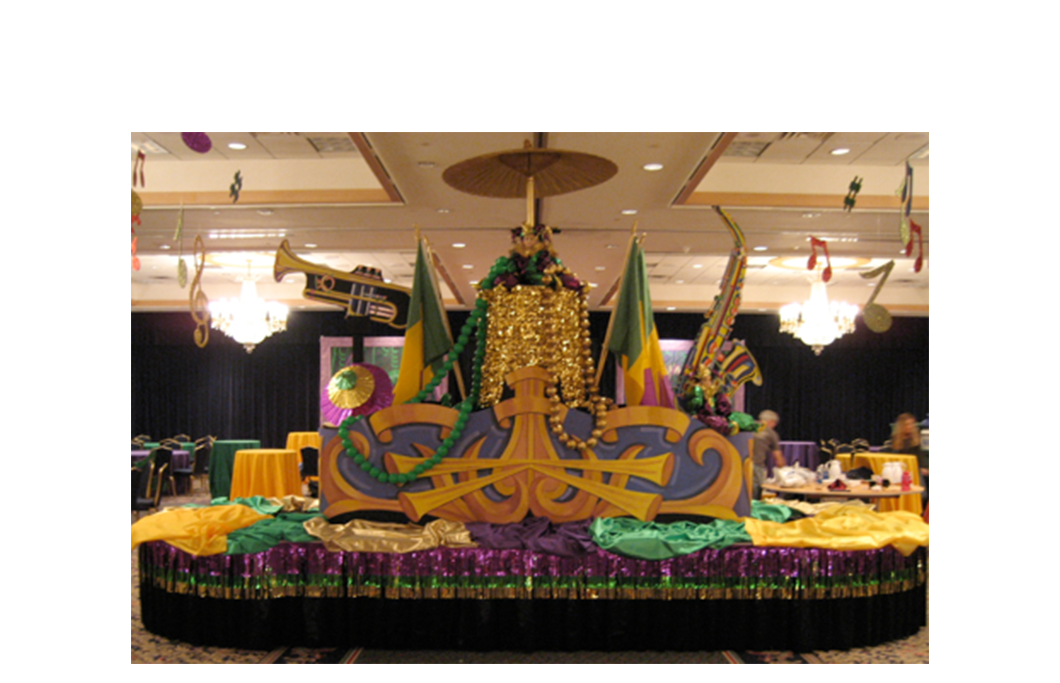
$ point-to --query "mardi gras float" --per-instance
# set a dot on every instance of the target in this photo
(535, 513)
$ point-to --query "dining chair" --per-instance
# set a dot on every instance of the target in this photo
(200, 461)
(311, 469)
(161, 470)
(141, 501)
(182, 438)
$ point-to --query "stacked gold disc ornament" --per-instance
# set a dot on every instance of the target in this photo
(533, 325)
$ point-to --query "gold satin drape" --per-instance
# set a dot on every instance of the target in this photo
(844, 527)
(197, 531)
(380, 537)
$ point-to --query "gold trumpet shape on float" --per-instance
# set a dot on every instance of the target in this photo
(530, 469)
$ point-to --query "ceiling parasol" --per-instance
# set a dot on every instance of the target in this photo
(531, 172)
(357, 389)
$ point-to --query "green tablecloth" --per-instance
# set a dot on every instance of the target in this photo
(222, 460)
(151, 445)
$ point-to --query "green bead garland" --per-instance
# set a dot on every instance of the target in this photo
(476, 324)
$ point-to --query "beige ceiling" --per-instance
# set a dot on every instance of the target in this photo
(360, 197)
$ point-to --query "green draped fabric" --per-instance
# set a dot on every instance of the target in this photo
(287, 526)
(770, 513)
(652, 541)
(256, 503)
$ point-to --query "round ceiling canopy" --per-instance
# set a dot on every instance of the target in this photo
(505, 174)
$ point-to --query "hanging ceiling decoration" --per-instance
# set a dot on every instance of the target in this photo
(249, 319)
(818, 322)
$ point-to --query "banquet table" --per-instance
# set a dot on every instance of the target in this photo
(862, 491)
(296, 441)
(876, 461)
(181, 459)
(184, 445)
(222, 460)
(266, 472)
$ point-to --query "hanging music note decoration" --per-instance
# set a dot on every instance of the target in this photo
(905, 190)
(178, 237)
(826, 275)
(918, 231)
(852, 194)
(877, 318)
(138, 168)
(135, 258)
(200, 305)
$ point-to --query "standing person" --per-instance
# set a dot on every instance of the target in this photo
(905, 439)
(766, 442)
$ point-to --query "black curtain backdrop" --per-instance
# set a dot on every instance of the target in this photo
(854, 389)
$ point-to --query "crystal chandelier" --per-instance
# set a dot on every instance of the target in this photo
(818, 323)
(248, 319)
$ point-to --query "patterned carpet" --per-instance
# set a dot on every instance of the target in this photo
(147, 648)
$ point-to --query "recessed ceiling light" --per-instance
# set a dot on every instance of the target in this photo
(264, 212)
(671, 308)
(760, 248)
(653, 167)
(629, 212)
(164, 246)
(599, 268)
(612, 246)
(697, 265)
(467, 266)
(459, 245)
(840, 151)
(236, 145)
(443, 210)
(812, 214)
(679, 282)
(425, 164)
(310, 245)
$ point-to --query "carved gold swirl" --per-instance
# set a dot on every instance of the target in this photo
(529, 477)
(720, 497)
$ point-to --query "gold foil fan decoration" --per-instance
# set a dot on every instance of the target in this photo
(351, 387)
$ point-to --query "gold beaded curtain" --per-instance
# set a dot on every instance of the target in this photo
(533, 325)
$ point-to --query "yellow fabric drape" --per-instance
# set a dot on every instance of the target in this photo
(844, 527)
(380, 537)
(198, 531)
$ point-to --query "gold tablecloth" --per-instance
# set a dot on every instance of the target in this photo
(875, 462)
(267, 472)
(296, 441)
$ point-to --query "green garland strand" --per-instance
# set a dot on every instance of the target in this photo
(476, 324)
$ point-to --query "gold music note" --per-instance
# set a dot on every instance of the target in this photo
(877, 318)
(198, 302)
